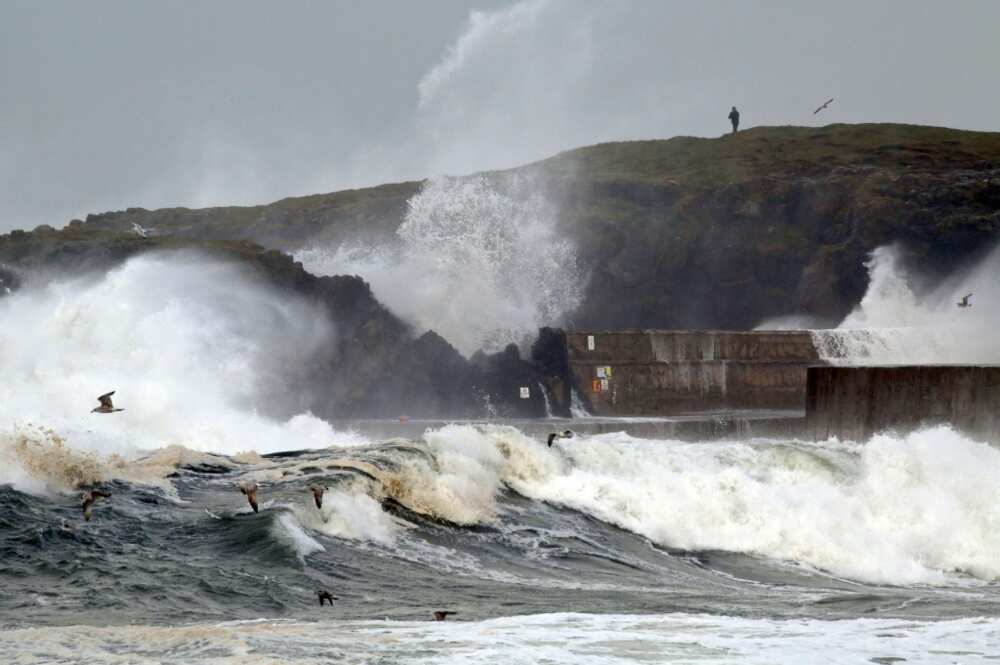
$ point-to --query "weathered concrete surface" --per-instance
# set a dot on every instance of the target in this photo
(669, 372)
(856, 402)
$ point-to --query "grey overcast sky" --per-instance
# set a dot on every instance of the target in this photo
(114, 103)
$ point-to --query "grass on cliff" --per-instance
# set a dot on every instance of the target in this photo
(682, 162)
(778, 150)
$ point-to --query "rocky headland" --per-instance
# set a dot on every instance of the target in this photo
(678, 233)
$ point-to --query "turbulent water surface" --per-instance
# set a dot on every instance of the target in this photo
(600, 548)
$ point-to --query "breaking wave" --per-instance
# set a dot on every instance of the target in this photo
(476, 260)
(197, 351)
(891, 511)
(838, 508)
(901, 321)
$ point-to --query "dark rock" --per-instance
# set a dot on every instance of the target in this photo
(550, 359)
(684, 233)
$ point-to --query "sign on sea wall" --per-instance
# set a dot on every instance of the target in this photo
(671, 372)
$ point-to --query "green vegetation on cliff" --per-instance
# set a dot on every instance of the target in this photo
(685, 232)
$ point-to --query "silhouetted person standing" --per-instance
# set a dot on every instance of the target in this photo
(734, 117)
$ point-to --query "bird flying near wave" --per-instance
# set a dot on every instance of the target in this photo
(249, 489)
(89, 498)
(318, 495)
(106, 405)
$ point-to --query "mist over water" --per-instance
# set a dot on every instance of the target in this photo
(479, 260)
(200, 355)
(907, 318)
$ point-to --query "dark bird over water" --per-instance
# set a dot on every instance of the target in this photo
(318, 495)
(441, 615)
(250, 490)
(325, 596)
(88, 502)
(565, 434)
(964, 302)
(106, 405)
(828, 102)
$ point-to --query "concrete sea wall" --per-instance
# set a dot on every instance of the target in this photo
(668, 372)
(856, 402)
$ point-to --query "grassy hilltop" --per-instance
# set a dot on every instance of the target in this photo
(685, 232)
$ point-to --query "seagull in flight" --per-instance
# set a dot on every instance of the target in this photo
(139, 231)
(318, 495)
(565, 434)
(828, 102)
(106, 405)
(249, 489)
(88, 501)
(964, 302)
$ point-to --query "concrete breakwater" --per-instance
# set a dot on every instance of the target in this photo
(856, 402)
(670, 372)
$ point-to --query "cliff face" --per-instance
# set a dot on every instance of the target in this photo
(701, 233)
(706, 233)
(682, 233)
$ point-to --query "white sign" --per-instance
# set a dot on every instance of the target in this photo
(590, 342)
(601, 374)
(604, 384)
(525, 393)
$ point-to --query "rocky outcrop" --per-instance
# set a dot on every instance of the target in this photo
(722, 233)
(699, 233)
(373, 366)
(682, 233)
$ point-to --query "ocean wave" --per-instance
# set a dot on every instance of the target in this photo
(895, 510)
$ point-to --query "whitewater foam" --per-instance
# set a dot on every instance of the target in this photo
(894, 510)
(562, 637)
(290, 531)
(349, 512)
(478, 260)
(900, 321)
(191, 344)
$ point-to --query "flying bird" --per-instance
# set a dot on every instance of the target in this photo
(88, 502)
(964, 302)
(250, 491)
(106, 405)
(828, 102)
(565, 434)
(441, 615)
(139, 231)
(318, 495)
(325, 596)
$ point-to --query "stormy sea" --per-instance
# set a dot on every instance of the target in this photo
(603, 548)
